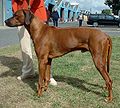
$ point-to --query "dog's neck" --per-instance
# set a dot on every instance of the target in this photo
(35, 27)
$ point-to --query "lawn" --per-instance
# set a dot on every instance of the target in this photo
(79, 83)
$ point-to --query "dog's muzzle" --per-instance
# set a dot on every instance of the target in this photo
(8, 23)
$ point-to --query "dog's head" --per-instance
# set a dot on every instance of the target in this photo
(21, 17)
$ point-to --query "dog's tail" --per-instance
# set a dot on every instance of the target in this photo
(109, 53)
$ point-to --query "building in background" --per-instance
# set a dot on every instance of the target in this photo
(1, 13)
(5, 10)
(50, 4)
(66, 10)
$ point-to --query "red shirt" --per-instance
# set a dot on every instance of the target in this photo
(37, 7)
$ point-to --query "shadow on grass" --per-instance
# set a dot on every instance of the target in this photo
(32, 82)
(14, 64)
(76, 82)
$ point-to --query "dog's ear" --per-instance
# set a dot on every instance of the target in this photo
(28, 17)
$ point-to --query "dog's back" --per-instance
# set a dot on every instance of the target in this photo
(70, 39)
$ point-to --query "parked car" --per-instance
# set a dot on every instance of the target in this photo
(103, 19)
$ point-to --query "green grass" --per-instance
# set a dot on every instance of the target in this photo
(79, 83)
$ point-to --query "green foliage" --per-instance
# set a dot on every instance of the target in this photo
(107, 11)
(114, 5)
(108, 2)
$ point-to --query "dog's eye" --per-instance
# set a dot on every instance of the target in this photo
(14, 16)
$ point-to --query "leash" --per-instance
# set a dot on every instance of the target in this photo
(29, 4)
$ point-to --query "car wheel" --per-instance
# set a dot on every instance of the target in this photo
(118, 24)
(95, 24)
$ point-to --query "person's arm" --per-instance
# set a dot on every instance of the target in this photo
(58, 15)
(31, 2)
(34, 5)
(14, 6)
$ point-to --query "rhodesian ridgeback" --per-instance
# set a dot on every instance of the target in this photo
(52, 42)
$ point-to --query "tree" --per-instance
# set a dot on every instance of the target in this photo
(107, 11)
(114, 5)
(109, 3)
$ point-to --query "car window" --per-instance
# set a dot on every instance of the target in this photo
(109, 17)
(94, 16)
(101, 16)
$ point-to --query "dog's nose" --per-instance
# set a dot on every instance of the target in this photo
(6, 21)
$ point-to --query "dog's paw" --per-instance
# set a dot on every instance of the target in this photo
(40, 92)
(108, 99)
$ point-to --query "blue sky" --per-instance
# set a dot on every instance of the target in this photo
(91, 5)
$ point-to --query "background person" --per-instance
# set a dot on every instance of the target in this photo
(55, 17)
(38, 8)
(80, 19)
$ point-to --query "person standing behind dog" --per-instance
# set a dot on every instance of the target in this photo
(38, 8)
(80, 19)
(55, 17)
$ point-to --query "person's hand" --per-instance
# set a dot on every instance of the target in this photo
(20, 0)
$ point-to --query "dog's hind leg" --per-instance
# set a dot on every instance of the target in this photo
(100, 63)
(109, 45)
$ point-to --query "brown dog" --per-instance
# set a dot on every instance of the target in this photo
(51, 42)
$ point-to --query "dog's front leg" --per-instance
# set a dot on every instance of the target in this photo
(47, 74)
(42, 69)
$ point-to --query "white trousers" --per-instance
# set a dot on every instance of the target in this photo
(25, 44)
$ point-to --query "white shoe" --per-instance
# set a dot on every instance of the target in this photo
(21, 77)
(53, 82)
